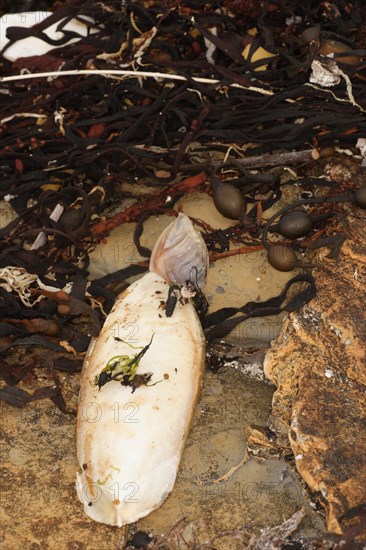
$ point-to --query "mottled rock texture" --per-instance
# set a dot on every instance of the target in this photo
(319, 366)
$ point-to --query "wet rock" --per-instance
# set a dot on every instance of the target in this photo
(319, 366)
(220, 487)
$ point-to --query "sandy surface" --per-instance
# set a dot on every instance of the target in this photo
(41, 509)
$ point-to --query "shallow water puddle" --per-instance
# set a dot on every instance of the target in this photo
(231, 281)
(257, 494)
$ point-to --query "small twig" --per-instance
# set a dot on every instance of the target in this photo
(232, 470)
(235, 252)
(260, 161)
(133, 74)
(102, 228)
(31, 115)
(276, 159)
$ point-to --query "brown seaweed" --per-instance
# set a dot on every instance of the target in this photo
(90, 131)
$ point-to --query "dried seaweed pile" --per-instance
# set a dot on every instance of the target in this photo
(70, 140)
(136, 123)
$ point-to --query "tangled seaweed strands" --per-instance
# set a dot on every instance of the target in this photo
(161, 113)
(150, 128)
(80, 132)
(17, 397)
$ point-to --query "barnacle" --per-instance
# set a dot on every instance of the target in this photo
(180, 254)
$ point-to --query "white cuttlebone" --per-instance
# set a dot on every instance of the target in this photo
(30, 46)
(129, 445)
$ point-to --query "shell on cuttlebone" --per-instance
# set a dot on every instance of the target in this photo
(180, 254)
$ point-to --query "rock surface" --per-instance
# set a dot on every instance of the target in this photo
(40, 509)
(318, 363)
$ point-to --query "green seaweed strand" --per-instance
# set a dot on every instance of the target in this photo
(121, 366)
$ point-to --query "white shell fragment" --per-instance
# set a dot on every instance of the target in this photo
(325, 73)
(129, 443)
(211, 48)
(361, 145)
(35, 46)
(180, 254)
(41, 238)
